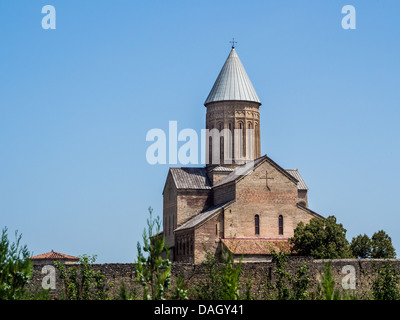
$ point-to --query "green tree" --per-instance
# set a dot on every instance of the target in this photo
(361, 246)
(382, 246)
(153, 271)
(15, 268)
(321, 239)
(82, 282)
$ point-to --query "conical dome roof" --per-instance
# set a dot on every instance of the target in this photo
(232, 83)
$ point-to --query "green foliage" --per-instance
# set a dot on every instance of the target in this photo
(221, 280)
(267, 289)
(321, 239)
(361, 246)
(386, 283)
(124, 294)
(152, 270)
(328, 290)
(382, 246)
(283, 277)
(180, 290)
(211, 287)
(289, 287)
(379, 246)
(15, 268)
(301, 283)
(230, 273)
(247, 293)
(38, 294)
(83, 283)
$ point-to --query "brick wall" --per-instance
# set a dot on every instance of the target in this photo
(224, 193)
(268, 193)
(208, 236)
(190, 203)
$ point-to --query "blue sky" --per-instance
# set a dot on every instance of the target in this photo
(76, 104)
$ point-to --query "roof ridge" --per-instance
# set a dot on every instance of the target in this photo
(54, 255)
(203, 216)
(309, 210)
(256, 163)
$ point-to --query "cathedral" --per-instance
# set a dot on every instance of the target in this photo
(240, 199)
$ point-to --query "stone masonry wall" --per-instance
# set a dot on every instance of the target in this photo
(260, 273)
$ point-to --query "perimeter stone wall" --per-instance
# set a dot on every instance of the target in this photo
(259, 273)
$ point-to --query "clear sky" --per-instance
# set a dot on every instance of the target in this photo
(76, 104)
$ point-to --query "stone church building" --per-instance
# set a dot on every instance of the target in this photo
(240, 199)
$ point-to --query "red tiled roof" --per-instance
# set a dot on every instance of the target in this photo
(54, 255)
(256, 245)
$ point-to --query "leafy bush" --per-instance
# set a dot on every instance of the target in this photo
(221, 279)
(288, 287)
(328, 284)
(180, 291)
(125, 294)
(386, 283)
(83, 283)
(230, 276)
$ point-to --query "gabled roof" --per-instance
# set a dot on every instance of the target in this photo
(256, 245)
(52, 255)
(301, 185)
(203, 216)
(190, 178)
(240, 171)
(232, 83)
(247, 168)
(313, 213)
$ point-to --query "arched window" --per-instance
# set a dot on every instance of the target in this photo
(256, 140)
(280, 225)
(230, 141)
(221, 143)
(257, 224)
(242, 128)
